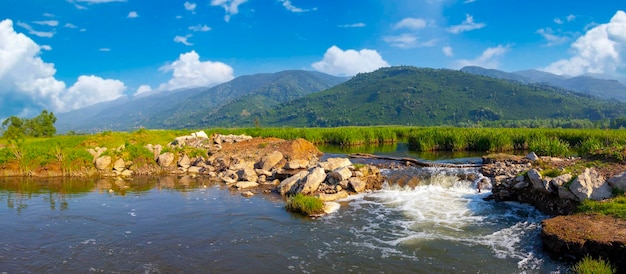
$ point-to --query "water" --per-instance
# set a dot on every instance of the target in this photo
(165, 225)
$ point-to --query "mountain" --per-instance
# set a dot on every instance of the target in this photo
(602, 88)
(422, 96)
(184, 108)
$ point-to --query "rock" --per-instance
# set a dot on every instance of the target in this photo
(194, 169)
(166, 159)
(297, 164)
(246, 184)
(561, 180)
(119, 165)
(285, 187)
(102, 163)
(520, 185)
(590, 185)
(330, 207)
(313, 180)
(357, 184)
(334, 163)
(565, 193)
(247, 194)
(263, 172)
(536, 179)
(127, 173)
(200, 134)
(618, 182)
(269, 161)
(341, 174)
(184, 162)
(155, 149)
(247, 174)
(532, 156)
(229, 176)
(332, 197)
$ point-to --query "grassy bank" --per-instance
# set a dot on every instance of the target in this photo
(69, 152)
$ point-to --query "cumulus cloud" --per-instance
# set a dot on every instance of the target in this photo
(47, 34)
(599, 50)
(190, 6)
(410, 23)
(350, 62)
(447, 51)
(183, 39)
(27, 83)
(488, 59)
(552, 38)
(188, 71)
(143, 89)
(202, 28)
(290, 7)
(231, 7)
(132, 14)
(466, 25)
(355, 25)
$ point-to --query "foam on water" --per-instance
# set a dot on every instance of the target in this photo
(447, 207)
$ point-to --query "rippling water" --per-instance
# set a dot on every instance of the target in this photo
(166, 225)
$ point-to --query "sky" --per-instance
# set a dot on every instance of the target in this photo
(62, 55)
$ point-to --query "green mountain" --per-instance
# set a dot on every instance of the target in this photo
(422, 96)
(187, 108)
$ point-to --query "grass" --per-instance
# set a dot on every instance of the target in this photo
(589, 265)
(306, 205)
(615, 207)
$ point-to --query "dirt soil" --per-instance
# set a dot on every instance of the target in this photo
(257, 147)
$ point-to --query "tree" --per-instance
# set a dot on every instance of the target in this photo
(14, 127)
(40, 126)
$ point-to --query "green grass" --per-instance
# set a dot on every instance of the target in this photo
(306, 205)
(593, 266)
(614, 207)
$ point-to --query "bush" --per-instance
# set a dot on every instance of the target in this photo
(591, 266)
(306, 205)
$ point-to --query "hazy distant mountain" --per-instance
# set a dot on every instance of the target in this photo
(603, 88)
(182, 108)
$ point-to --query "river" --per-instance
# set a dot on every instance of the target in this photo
(173, 225)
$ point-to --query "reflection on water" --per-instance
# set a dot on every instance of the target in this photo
(185, 224)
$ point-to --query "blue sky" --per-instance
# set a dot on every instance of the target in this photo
(67, 54)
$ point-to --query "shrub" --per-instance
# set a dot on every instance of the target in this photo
(307, 205)
(592, 266)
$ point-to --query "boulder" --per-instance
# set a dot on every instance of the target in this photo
(285, 187)
(166, 159)
(200, 134)
(194, 169)
(229, 176)
(538, 182)
(532, 156)
(102, 163)
(334, 163)
(561, 180)
(96, 152)
(357, 184)
(184, 162)
(341, 174)
(565, 193)
(247, 194)
(246, 184)
(263, 172)
(618, 182)
(119, 165)
(297, 164)
(127, 173)
(590, 185)
(332, 197)
(270, 160)
(247, 174)
(313, 180)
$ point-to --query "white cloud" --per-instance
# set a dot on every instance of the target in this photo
(202, 28)
(51, 23)
(231, 7)
(46, 47)
(27, 83)
(411, 23)
(190, 6)
(99, 1)
(290, 7)
(132, 14)
(570, 18)
(552, 38)
(70, 26)
(402, 41)
(183, 39)
(47, 34)
(488, 59)
(469, 1)
(466, 25)
(104, 49)
(143, 89)
(599, 50)
(350, 62)
(188, 71)
(89, 90)
(447, 51)
(355, 25)
(558, 21)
